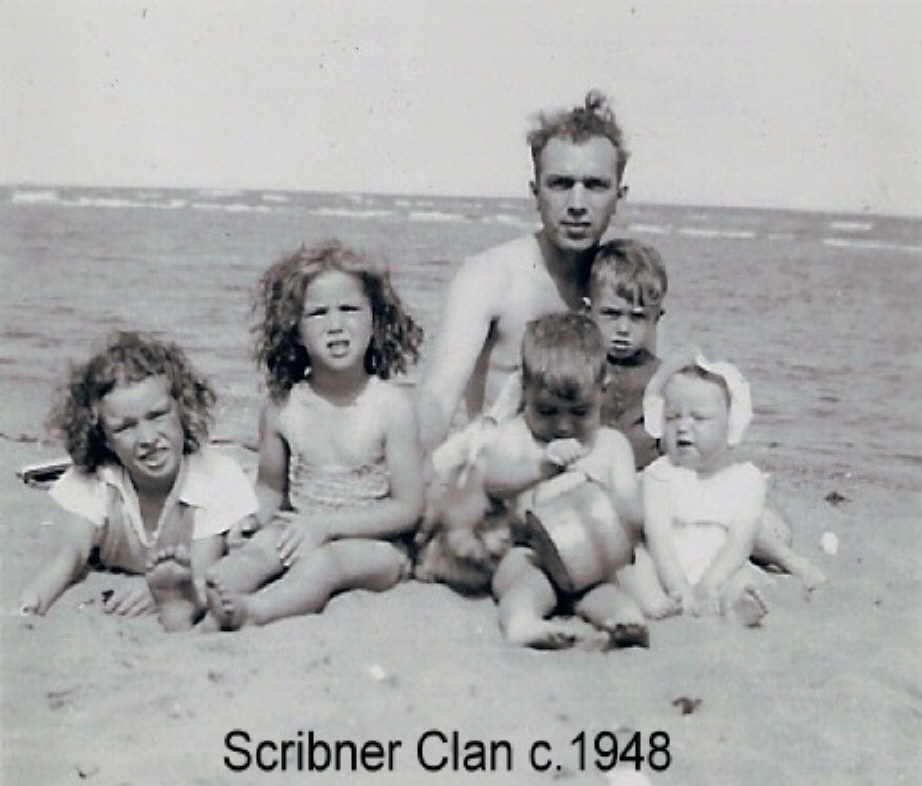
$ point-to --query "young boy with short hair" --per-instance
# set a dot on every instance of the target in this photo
(627, 286)
(557, 432)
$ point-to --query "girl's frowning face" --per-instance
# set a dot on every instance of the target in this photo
(337, 322)
(696, 423)
(143, 429)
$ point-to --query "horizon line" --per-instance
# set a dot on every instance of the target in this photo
(869, 212)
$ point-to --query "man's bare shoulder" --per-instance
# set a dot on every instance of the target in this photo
(611, 441)
(509, 256)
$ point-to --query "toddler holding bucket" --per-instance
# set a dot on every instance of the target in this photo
(574, 489)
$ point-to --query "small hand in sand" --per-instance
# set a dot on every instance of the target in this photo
(30, 603)
(661, 606)
(131, 598)
(706, 600)
(299, 537)
(683, 600)
(169, 578)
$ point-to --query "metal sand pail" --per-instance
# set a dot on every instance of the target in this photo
(578, 536)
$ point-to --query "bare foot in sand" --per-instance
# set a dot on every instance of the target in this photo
(628, 635)
(169, 578)
(553, 634)
(228, 609)
(749, 607)
(811, 576)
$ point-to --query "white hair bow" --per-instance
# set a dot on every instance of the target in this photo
(740, 397)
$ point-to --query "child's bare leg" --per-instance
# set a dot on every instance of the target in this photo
(526, 597)
(249, 567)
(170, 579)
(310, 583)
(773, 547)
(641, 582)
(611, 610)
(743, 599)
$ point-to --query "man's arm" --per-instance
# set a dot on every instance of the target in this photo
(468, 316)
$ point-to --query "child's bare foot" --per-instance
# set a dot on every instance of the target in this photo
(749, 607)
(169, 578)
(229, 609)
(555, 634)
(628, 635)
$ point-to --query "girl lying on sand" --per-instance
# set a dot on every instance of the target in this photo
(145, 492)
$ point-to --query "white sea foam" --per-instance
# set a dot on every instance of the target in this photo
(851, 226)
(347, 212)
(871, 245)
(107, 202)
(219, 192)
(650, 229)
(510, 220)
(231, 207)
(137, 200)
(730, 234)
(434, 215)
(37, 197)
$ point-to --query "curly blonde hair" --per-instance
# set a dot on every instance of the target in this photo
(279, 304)
(127, 357)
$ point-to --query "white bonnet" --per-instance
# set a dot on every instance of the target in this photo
(740, 397)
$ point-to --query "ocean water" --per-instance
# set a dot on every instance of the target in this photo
(820, 311)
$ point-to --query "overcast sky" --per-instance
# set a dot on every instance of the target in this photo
(785, 103)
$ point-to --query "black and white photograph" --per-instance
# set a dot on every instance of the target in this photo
(460, 392)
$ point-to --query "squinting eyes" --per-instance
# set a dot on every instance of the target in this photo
(153, 417)
(322, 312)
(693, 416)
(552, 413)
(614, 316)
(565, 184)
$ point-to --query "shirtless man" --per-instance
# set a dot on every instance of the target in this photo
(579, 159)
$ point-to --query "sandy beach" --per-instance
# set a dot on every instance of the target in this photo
(156, 158)
(827, 691)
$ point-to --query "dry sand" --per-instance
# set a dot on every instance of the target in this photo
(827, 692)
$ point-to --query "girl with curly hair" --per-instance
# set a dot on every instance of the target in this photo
(340, 466)
(144, 492)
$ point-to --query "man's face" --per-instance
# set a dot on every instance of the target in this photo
(577, 191)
